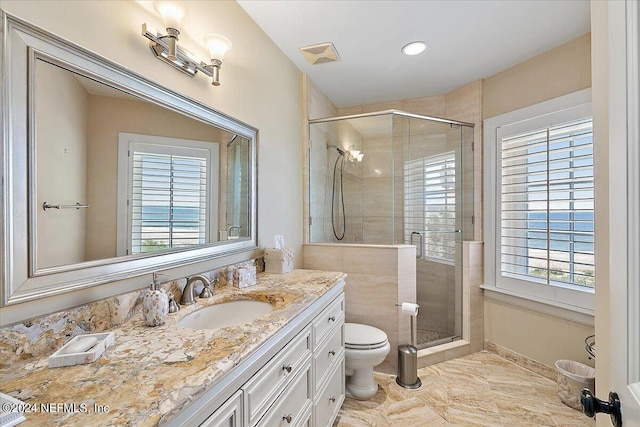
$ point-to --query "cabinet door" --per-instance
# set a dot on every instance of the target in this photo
(329, 400)
(227, 415)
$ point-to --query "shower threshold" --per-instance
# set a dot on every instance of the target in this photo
(435, 342)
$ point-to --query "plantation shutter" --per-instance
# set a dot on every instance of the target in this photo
(429, 205)
(547, 205)
(168, 202)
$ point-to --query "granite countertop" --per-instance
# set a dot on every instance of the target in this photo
(148, 375)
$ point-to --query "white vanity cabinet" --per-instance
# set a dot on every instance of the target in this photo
(228, 415)
(294, 379)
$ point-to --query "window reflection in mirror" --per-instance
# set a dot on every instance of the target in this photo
(153, 179)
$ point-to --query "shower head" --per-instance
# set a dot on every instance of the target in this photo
(340, 150)
(233, 138)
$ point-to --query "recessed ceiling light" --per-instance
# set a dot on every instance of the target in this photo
(414, 48)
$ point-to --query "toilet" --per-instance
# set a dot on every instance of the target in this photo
(365, 347)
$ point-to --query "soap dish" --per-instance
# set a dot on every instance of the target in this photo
(86, 348)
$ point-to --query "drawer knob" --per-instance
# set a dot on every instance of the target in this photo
(332, 319)
(287, 368)
(332, 352)
(288, 419)
(332, 399)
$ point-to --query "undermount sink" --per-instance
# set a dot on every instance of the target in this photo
(225, 314)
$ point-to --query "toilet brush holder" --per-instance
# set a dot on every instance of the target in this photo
(408, 361)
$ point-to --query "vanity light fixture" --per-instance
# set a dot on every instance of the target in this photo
(414, 48)
(165, 45)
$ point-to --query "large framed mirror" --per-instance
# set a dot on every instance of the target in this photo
(107, 175)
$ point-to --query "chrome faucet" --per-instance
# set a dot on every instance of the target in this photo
(187, 294)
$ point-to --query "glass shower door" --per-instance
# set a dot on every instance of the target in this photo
(432, 173)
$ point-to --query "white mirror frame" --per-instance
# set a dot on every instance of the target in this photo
(21, 44)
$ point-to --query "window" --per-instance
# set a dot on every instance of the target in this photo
(171, 193)
(539, 203)
(168, 203)
(430, 205)
(547, 221)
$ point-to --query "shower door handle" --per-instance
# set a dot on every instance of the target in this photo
(421, 247)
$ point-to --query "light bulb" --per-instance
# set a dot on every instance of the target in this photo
(414, 48)
(218, 46)
(172, 13)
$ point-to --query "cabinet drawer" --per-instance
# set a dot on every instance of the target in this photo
(329, 400)
(227, 415)
(329, 354)
(294, 405)
(323, 323)
(265, 386)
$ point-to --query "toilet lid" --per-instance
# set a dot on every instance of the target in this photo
(363, 336)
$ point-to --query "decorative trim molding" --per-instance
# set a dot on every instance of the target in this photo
(522, 361)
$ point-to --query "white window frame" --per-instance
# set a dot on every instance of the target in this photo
(556, 111)
(210, 150)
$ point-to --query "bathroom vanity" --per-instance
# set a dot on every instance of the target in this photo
(285, 368)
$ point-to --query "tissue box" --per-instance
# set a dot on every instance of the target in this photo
(244, 276)
(278, 260)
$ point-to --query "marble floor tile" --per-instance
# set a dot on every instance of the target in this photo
(481, 389)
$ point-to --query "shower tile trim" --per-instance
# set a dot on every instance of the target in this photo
(443, 352)
(522, 361)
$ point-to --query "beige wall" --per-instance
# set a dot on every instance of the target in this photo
(260, 86)
(559, 71)
(539, 336)
(61, 134)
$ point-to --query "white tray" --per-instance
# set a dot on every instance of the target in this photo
(62, 358)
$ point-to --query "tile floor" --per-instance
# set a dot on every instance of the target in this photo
(481, 389)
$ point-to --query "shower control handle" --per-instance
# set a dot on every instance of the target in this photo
(421, 246)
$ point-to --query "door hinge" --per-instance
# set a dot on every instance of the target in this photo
(473, 145)
(310, 221)
(473, 219)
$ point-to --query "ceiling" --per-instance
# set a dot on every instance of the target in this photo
(466, 41)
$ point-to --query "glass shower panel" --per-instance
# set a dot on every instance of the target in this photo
(432, 221)
(351, 181)
(399, 178)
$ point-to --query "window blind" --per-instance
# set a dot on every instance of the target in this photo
(547, 205)
(429, 204)
(168, 203)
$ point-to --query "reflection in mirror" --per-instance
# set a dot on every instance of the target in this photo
(151, 179)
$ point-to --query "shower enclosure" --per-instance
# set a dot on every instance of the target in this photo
(393, 178)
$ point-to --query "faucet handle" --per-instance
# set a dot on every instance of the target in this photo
(206, 292)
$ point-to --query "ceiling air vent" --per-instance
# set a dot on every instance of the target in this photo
(320, 53)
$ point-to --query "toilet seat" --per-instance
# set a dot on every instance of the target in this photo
(363, 337)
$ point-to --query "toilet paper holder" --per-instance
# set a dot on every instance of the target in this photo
(408, 354)
(412, 310)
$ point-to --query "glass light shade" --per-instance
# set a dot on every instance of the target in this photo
(172, 13)
(359, 157)
(355, 153)
(218, 45)
(414, 48)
